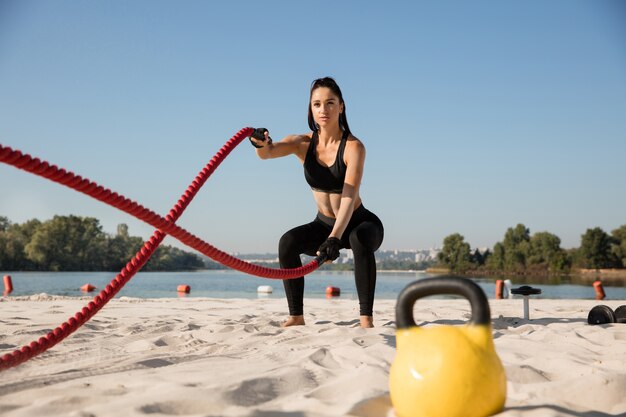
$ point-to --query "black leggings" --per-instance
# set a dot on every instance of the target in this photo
(363, 235)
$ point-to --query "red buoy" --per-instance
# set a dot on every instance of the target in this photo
(87, 288)
(499, 289)
(597, 285)
(184, 288)
(8, 285)
(333, 291)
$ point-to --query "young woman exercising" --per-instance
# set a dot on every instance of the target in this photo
(333, 161)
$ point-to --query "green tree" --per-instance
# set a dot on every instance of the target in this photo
(480, 258)
(546, 251)
(12, 242)
(71, 243)
(68, 243)
(455, 253)
(619, 246)
(495, 262)
(595, 249)
(120, 249)
(5, 261)
(4, 224)
(116, 254)
(516, 248)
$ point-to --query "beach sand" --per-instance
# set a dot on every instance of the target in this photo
(216, 357)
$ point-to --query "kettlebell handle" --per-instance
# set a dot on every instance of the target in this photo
(441, 285)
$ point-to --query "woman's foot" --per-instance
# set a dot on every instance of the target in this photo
(294, 321)
(367, 322)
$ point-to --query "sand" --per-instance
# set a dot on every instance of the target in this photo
(215, 357)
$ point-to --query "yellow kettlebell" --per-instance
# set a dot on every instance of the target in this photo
(445, 371)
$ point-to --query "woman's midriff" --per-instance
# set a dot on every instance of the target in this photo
(328, 204)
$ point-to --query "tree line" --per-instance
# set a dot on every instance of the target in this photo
(73, 243)
(519, 252)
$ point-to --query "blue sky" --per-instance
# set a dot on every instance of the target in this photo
(476, 116)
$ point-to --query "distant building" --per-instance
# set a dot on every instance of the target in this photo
(346, 256)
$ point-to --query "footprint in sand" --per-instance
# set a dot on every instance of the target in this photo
(351, 323)
(155, 363)
(324, 358)
(226, 329)
(191, 326)
(160, 343)
(180, 408)
(525, 374)
(262, 390)
(93, 326)
(250, 328)
(254, 392)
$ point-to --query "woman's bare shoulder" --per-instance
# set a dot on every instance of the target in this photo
(299, 138)
(355, 143)
(298, 143)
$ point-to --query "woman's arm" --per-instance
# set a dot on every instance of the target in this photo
(288, 145)
(355, 161)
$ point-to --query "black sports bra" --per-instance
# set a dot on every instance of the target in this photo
(326, 179)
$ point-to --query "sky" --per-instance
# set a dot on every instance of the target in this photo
(476, 116)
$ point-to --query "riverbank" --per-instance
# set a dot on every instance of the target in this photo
(577, 276)
(605, 275)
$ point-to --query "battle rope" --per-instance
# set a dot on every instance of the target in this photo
(164, 226)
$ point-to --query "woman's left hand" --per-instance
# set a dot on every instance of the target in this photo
(330, 248)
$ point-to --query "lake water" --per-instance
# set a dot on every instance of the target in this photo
(234, 284)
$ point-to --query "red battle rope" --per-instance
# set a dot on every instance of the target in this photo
(165, 226)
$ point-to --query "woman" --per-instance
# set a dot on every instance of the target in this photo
(333, 161)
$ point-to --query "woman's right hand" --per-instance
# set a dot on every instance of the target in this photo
(260, 137)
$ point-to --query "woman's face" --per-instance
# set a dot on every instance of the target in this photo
(326, 107)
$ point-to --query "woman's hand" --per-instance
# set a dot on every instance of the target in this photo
(330, 248)
(260, 138)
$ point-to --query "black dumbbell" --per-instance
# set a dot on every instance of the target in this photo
(603, 314)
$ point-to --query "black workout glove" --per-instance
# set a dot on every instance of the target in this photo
(330, 248)
(259, 134)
